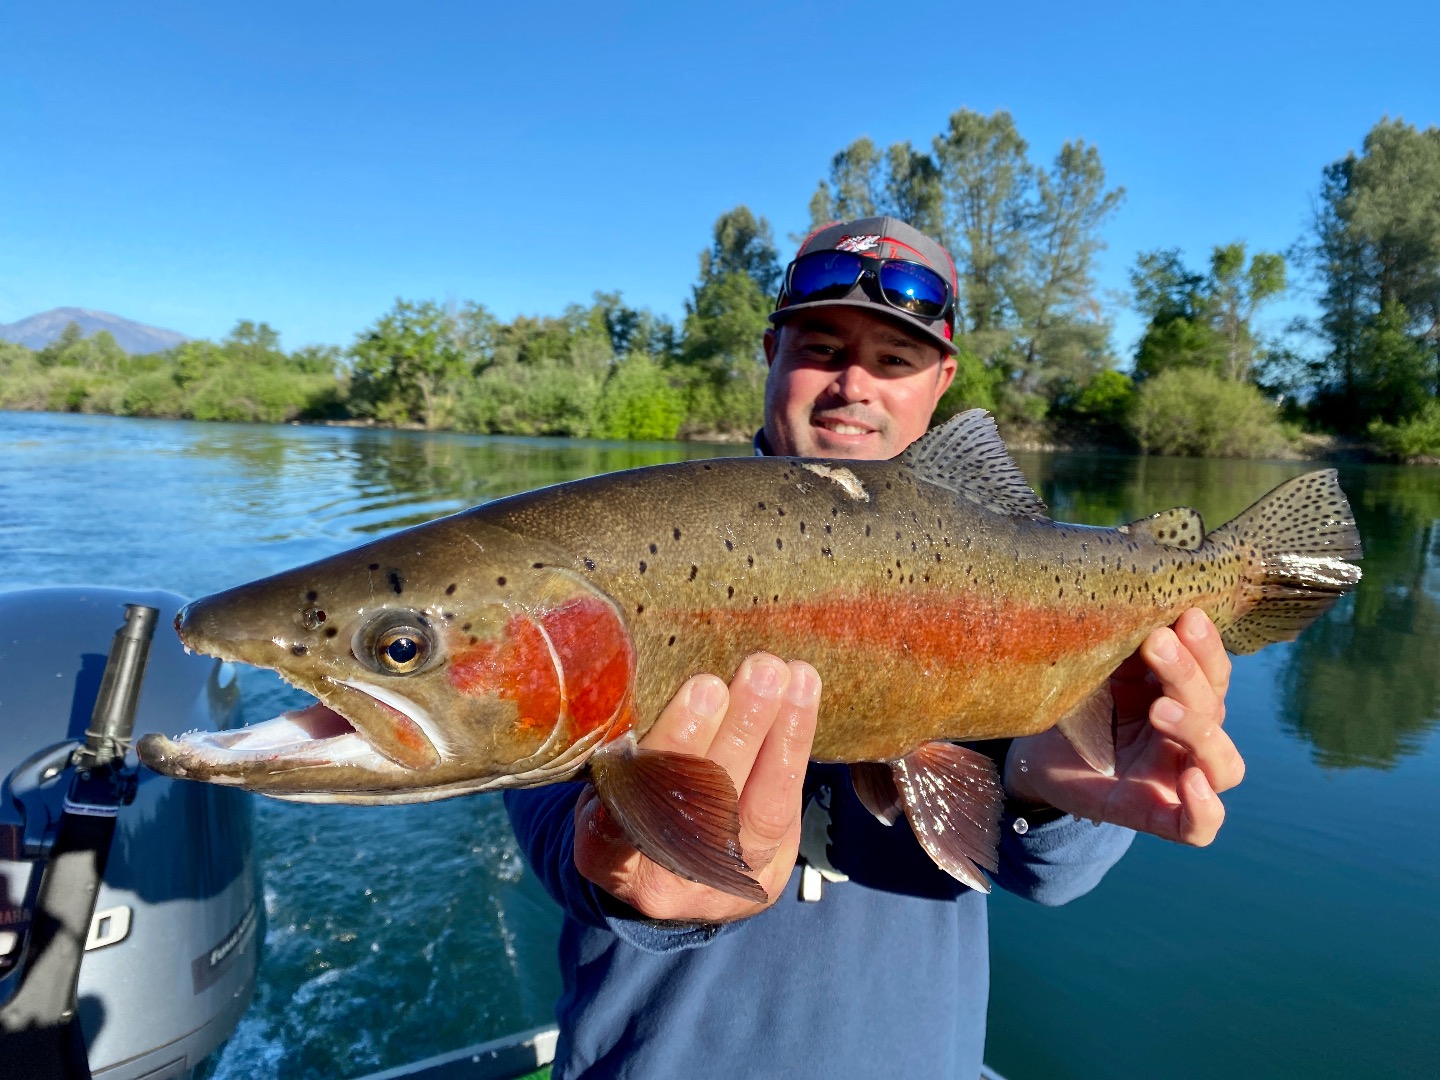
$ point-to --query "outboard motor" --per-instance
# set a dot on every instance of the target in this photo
(170, 956)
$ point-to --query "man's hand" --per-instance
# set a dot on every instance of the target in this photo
(760, 729)
(1172, 755)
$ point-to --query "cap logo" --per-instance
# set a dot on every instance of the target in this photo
(857, 243)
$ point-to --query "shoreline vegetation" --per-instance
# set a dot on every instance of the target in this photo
(1360, 379)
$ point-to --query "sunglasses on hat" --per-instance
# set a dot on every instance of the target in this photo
(907, 286)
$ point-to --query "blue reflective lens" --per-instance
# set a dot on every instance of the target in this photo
(914, 288)
(825, 275)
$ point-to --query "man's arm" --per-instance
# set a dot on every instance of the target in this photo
(1172, 755)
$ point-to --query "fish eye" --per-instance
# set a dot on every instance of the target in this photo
(401, 650)
(395, 644)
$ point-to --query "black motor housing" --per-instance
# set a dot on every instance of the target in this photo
(170, 962)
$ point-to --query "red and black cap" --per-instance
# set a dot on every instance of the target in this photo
(880, 238)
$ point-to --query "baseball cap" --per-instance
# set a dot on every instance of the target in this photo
(880, 238)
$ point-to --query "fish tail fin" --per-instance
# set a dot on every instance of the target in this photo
(1301, 543)
(679, 810)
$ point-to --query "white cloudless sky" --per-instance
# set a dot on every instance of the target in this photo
(188, 165)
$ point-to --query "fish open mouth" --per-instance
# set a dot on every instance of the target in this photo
(299, 730)
(388, 741)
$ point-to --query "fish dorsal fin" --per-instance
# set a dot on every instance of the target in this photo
(966, 455)
(1181, 527)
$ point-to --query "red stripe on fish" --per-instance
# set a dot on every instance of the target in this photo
(596, 658)
(956, 629)
(518, 668)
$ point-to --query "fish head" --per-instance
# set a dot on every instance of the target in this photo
(450, 658)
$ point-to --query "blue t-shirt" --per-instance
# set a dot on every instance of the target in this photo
(886, 974)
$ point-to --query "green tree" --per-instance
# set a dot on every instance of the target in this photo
(1203, 321)
(725, 321)
(1376, 243)
(408, 365)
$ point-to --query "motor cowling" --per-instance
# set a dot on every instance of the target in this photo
(171, 957)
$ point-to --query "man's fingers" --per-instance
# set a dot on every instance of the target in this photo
(1201, 811)
(689, 723)
(756, 695)
(770, 801)
(1199, 636)
(1199, 732)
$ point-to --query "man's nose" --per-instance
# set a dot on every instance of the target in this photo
(853, 383)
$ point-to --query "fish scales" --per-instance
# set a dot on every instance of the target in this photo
(979, 624)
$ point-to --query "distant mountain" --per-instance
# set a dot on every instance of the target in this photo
(39, 330)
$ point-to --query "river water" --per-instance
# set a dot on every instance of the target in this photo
(1304, 943)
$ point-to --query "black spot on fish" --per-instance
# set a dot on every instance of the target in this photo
(653, 549)
(729, 546)
(826, 552)
(374, 566)
(677, 534)
(330, 631)
(779, 544)
(705, 467)
(780, 510)
(749, 560)
(730, 591)
(760, 505)
(448, 615)
(397, 583)
(537, 566)
(466, 628)
(589, 564)
(474, 640)
(802, 528)
(639, 609)
(643, 567)
(693, 571)
(299, 650)
(867, 530)
(450, 590)
(500, 581)
(672, 639)
(827, 527)
(312, 596)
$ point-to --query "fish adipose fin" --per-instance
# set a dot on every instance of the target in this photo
(874, 786)
(1181, 527)
(965, 455)
(953, 800)
(1090, 727)
(679, 810)
(1304, 537)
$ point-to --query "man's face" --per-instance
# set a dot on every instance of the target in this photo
(845, 383)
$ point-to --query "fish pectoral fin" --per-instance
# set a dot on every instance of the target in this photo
(679, 810)
(953, 799)
(874, 786)
(1090, 727)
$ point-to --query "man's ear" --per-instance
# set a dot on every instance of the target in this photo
(771, 341)
(947, 376)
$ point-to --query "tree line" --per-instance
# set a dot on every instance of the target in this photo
(1036, 345)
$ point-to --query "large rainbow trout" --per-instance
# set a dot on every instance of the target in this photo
(532, 639)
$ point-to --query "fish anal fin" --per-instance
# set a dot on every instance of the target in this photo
(1090, 727)
(953, 799)
(966, 455)
(875, 788)
(679, 810)
(1179, 527)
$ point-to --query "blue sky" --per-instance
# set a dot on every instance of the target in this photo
(187, 165)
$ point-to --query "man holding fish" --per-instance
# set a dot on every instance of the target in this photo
(865, 958)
